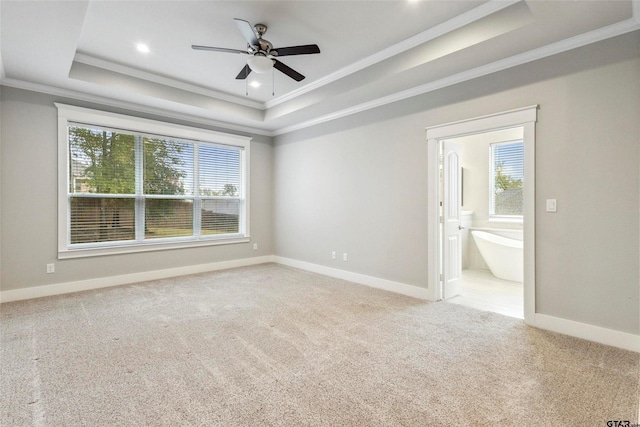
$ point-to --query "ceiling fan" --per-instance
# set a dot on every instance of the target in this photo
(263, 55)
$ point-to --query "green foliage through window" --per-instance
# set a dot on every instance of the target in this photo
(507, 177)
(128, 187)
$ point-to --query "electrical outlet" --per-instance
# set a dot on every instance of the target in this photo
(344, 256)
(333, 255)
(255, 246)
(51, 268)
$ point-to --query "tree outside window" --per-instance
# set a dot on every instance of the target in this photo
(108, 198)
(506, 179)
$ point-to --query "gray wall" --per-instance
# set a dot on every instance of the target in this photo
(359, 184)
(28, 148)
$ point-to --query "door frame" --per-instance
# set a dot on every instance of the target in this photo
(523, 117)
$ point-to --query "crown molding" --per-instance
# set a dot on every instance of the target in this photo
(623, 27)
(580, 40)
(166, 81)
(455, 23)
(110, 102)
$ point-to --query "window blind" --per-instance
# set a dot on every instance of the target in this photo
(220, 186)
(131, 188)
(506, 178)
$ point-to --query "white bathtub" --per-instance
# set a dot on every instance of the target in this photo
(502, 255)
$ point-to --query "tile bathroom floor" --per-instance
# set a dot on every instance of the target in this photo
(482, 290)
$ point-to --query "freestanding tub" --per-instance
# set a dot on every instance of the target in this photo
(503, 255)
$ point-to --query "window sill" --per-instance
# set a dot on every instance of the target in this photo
(506, 220)
(146, 247)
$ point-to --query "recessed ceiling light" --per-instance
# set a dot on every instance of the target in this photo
(142, 48)
(255, 84)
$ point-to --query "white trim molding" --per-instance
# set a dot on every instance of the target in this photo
(485, 123)
(104, 282)
(132, 106)
(567, 327)
(575, 42)
(125, 279)
(163, 80)
(593, 333)
(432, 33)
(68, 114)
(587, 332)
(265, 128)
(362, 279)
(522, 117)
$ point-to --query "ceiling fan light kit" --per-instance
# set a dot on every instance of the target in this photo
(262, 54)
(260, 64)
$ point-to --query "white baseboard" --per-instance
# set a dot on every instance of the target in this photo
(374, 282)
(588, 332)
(597, 334)
(585, 331)
(103, 282)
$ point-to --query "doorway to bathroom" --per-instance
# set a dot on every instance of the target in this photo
(491, 167)
(481, 212)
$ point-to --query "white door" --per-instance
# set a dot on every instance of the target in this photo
(451, 209)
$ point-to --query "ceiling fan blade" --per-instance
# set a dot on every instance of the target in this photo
(244, 73)
(247, 31)
(218, 49)
(298, 50)
(287, 70)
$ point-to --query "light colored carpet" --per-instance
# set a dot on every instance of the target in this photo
(272, 345)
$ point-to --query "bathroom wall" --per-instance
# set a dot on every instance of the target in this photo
(475, 183)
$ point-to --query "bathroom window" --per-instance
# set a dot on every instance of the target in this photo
(506, 180)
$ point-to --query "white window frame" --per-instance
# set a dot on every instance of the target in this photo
(69, 114)
(492, 216)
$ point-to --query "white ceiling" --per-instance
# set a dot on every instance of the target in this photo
(372, 52)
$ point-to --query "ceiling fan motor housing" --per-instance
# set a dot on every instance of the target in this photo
(264, 46)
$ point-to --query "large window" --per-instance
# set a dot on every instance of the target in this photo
(506, 179)
(132, 184)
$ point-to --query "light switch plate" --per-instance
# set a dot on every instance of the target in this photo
(552, 205)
